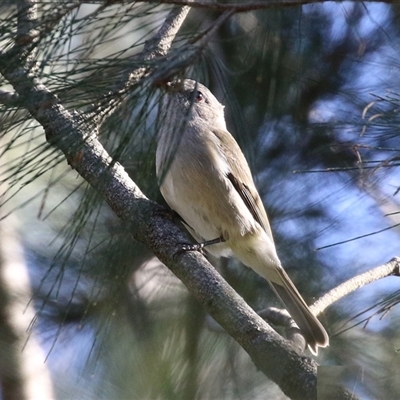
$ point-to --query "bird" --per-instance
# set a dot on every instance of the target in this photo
(204, 177)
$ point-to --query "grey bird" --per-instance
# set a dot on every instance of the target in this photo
(205, 178)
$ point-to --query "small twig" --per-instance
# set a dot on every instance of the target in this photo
(155, 47)
(280, 317)
(392, 268)
(159, 45)
(192, 53)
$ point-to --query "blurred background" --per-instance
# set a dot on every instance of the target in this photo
(312, 96)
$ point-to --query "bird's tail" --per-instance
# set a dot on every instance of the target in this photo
(313, 331)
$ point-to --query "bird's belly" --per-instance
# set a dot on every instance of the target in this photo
(201, 214)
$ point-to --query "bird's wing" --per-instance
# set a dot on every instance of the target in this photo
(241, 178)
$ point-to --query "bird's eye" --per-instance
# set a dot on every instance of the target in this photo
(199, 96)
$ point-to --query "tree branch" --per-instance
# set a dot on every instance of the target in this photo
(156, 47)
(8, 98)
(280, 317)
(27, 15)
(392, 268)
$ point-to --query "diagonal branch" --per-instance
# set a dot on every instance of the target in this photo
(280, 317)
(156, 47)
(392, 268)
(157, 66)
